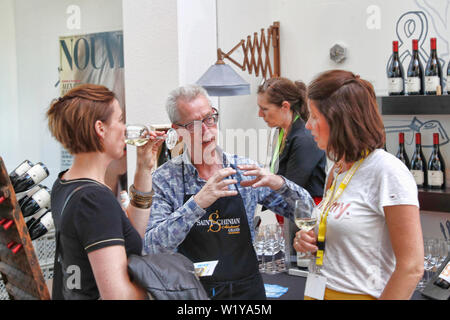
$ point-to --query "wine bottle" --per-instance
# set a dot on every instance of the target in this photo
(33, 176)
(40, 199)
(433, 71)
(401, 153)
(20, 170)
(41, 225)
(419, 164)
(4, 194)
(22, 197)
(395, 74)
(35, 216)
(436, 166)
(415, 80)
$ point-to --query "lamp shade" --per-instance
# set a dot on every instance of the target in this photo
(221, 80)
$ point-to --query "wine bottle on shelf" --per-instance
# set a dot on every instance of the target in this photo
(4, 194)
(419, 164)
(33, 176)
(34, 217)
(41, 226)
(415, 80)
(401, 153)
(433, 71)
(436, 166)
(40, 199)
(395, 74)
(20, 170)
(22, 197)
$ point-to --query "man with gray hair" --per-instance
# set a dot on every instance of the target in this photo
(205, 200)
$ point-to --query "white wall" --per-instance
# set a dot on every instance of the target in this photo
(310, 28)
(151, 62)
(32, 29)
(9, 128)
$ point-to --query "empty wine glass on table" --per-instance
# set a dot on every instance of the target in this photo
(138, 135)
(259, 248)
(271, 248)
(428, 262)
(306, 218)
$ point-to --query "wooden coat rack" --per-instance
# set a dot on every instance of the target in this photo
(19, 266)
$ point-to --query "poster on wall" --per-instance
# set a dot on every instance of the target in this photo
(95, 58)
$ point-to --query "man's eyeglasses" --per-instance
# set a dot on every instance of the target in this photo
(209, 121)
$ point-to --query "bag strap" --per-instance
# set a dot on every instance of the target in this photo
(71, 194)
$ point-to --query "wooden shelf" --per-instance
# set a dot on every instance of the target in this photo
(435, 200)
(20, 270)
(408, 105)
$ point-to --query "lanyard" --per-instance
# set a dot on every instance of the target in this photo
(276, 152)
(330, 198)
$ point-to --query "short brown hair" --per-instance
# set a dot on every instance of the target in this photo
(71, 118)
(349, 105)
(281, 89)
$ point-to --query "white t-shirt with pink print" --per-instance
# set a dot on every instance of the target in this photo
(358, 255)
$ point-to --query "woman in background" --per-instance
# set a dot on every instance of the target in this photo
(282, 104)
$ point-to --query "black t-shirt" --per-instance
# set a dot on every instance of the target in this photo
(93, 219)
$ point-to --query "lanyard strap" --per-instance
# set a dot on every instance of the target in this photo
(276, 152)
(330, 198)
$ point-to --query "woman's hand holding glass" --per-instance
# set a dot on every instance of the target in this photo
(147, 143)
(305, 218)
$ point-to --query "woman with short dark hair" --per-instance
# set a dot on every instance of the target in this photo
(370, 233)
(94, 235)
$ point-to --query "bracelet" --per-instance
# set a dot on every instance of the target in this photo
(140, 193)
(141, 200)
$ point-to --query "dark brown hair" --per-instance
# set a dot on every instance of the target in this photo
(71, 118)
(281, 89)
(349, 106)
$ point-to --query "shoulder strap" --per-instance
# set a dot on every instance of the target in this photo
(58, 253)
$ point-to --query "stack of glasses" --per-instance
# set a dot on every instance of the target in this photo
(269, 245)
(435, 253)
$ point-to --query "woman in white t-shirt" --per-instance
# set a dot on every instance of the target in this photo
(373, 246)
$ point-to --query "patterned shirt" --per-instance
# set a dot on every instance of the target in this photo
(171, 220)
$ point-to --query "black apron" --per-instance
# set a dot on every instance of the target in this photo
(223, 234)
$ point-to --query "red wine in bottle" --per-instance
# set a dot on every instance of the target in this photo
(401, 153)
(415, 80)
(40, 199)
(436, 166)
(20, 170)
(395, 74)
(433, 71)
(41, 225)
(4, 194)
(35, 216)
(32, 177)
(22, 197)
(419, 164)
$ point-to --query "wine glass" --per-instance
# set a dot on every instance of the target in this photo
(259, 248)
(306, 217)
(138, 135)
(271, 248)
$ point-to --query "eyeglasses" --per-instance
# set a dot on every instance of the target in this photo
(209, 121)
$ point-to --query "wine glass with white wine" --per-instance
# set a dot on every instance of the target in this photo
(306, 217)
(138, 135)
